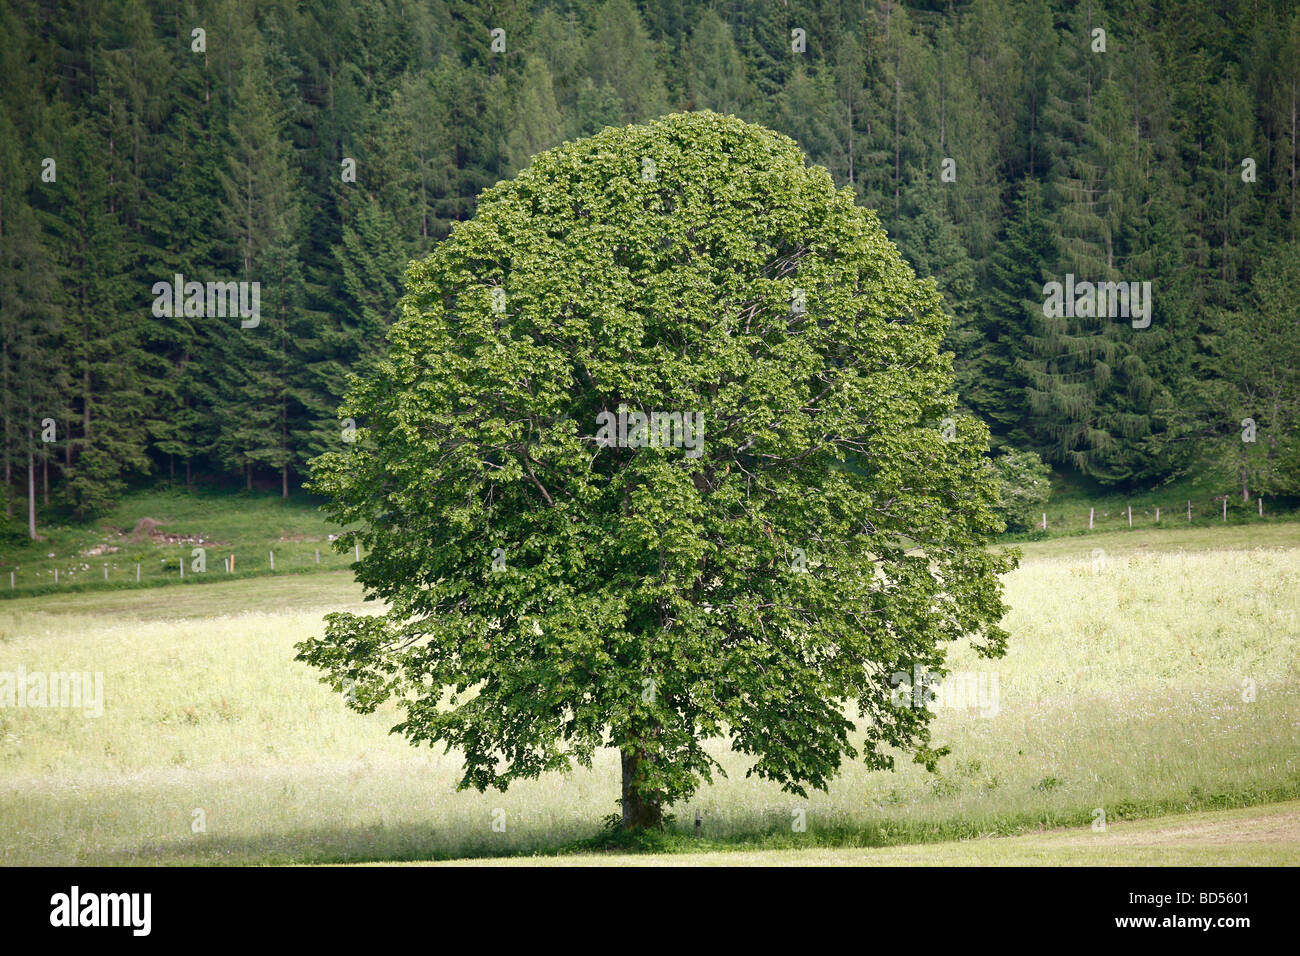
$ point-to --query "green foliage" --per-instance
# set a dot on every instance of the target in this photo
(13, 534)
(1250, 410)
(822, 536)
(1024, 485)
(718, 80)
(225, 164)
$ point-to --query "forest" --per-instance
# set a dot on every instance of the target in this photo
(1015, 151)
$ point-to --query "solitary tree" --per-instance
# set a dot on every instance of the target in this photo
(658, 455)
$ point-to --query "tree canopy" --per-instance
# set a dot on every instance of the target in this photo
(774, 524)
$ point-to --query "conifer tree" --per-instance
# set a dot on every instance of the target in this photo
(536, 121)
(254, 402)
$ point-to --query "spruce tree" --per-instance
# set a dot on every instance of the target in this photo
(255, 409)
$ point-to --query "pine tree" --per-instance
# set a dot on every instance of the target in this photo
(103, 328)
(621, 56)
(996, 390)
(560, 41)
(1090, 390)
(1251, 388)
(716, 74)
(805, 111)
(32, 377)
(414, 158)
(537, 124)
(254, 403)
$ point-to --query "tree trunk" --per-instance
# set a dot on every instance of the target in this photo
(284, 481)
(1272, 440)
(45, 478)
(31, 488)
(4, 389)
(248, 477)
(641, 811)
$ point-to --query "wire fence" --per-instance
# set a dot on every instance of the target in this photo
(188, 565)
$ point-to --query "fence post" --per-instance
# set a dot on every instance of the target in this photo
(1157, 516)
(11, 580)
(1260, 499)
(272, 560)
(356, 549)
(318, 555)
(137, 572)
(1130, 516)
(106, 572)
(182, 567)
(1225, 507)
(56, 575)
(1044, 520)
(1090, 514)
(1189, 512)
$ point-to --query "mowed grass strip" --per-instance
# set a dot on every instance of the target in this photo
(1257, 836)
(1149, 682)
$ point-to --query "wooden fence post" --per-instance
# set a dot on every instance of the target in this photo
(1130, 516)
(272, 560)
(1091, 511)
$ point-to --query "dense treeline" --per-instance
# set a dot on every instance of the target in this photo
(317, 148)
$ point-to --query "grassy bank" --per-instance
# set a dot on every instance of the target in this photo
(160, 529)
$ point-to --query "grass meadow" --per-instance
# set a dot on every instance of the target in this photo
(1149, 673)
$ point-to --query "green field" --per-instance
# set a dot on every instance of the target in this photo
(1125, 690)
(1074, 499)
